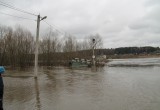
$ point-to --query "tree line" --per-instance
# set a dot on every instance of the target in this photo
(136, 50)
(17, 47)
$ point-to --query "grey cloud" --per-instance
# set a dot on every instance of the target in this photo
(149, 23)
(152, 2)
(120, 23)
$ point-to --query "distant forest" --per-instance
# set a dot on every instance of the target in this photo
(17, 48)
(130, 50)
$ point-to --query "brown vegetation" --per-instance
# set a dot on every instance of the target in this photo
(17, 47)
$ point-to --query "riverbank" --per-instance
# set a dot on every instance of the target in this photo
(125, 56)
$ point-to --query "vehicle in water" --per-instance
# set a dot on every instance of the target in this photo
(76, 62)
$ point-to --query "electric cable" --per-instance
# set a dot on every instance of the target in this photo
(17, 16)
(14, 8)
(54, 27)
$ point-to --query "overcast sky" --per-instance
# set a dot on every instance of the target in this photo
(119, 22)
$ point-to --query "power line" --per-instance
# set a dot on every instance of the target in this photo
(17, 9)
(23, 11)
(17, 16)
(62, 32)
(14, 8)
(57, 29)
(11, 7)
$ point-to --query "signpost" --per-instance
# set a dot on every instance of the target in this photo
(93, 57)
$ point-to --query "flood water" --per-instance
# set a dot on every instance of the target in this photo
(124, 84)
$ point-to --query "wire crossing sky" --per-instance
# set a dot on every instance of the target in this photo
(53, 27)
(14, 8)
(17, 16)
(120, 23)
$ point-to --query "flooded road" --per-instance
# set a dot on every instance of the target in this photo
(126, 84)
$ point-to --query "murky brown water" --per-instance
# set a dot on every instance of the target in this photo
(108, 88)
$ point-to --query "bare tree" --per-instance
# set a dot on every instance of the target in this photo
(4, 33)
(48, 46)
(98, 41)
(69, 44)
(17, 47)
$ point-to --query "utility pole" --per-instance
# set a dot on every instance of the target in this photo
(37, 45)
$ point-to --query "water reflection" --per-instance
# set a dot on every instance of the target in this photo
(38, 102)
(108, 88)
(65, 86)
